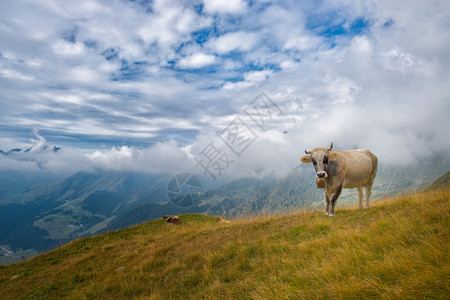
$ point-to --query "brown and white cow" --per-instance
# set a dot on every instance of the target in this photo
(173, 219)
(339, 169)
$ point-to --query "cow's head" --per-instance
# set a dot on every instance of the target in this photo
(320, 158)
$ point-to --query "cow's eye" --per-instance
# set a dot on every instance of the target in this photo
(325, 160)
(314, 161)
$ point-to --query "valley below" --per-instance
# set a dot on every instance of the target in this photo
(396, 249)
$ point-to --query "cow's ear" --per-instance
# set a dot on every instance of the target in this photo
(333, 155)
(306, 159)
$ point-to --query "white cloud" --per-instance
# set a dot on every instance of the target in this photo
(302, 43)
(170, 24)
(162, 157)
(225, 6)
(85, 75)
(397, 60)
(196, 61)
(240, 41)
(41, 157)
(13, 74)
(66, 48)
(362, 51)
(257, 75)
(250, 79)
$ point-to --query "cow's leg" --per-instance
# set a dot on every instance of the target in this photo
(369, 184)
(327, 198)
(368, 192)
(334, 198)
(360, 196)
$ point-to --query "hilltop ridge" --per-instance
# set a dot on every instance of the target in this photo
(398, 248)
(440, 183)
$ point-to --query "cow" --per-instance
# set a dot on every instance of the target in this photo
(339, 169)
(172, 219)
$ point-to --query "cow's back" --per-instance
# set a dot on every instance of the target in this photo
(358, 166)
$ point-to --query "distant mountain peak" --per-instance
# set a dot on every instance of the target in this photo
(55, 149)
(15, 150)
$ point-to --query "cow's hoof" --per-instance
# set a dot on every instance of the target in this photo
(326, 213)
(330, 215)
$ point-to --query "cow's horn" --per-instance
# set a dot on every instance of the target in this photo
(307, 152)
(331, 147)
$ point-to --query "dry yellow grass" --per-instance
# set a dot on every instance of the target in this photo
(399, 248)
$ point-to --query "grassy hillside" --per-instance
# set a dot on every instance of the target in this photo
(398, 248)
(440, 183)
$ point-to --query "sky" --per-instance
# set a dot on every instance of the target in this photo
(220, 87)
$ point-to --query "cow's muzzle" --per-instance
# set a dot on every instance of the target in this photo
(322, 174)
